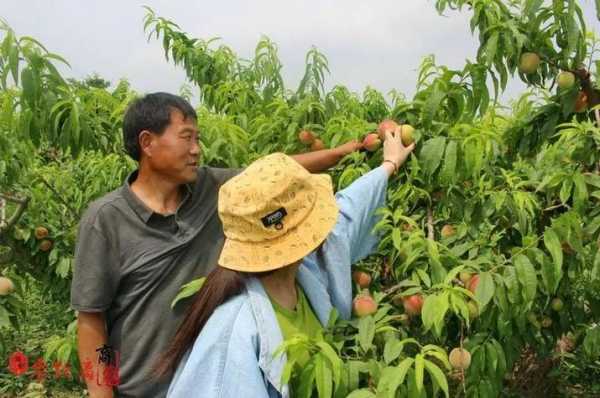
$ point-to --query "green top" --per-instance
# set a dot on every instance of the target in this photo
(301, 320)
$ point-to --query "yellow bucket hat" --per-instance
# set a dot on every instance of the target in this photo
(274, 213)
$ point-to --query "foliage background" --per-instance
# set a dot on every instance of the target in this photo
(519, 184)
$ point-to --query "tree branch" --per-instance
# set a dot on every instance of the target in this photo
(59, 196)
(430, 233)
(21, 205)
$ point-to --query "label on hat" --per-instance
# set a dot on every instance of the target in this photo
(274, 218)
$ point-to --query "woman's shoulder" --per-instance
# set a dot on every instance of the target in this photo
(232, 319)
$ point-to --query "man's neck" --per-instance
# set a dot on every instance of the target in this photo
(158, 193)
(281, 286)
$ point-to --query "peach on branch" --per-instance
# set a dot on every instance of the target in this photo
(447, 231)
(385, 126)
(565, 80)
(372, 142)
(362, 279)
(413, 304)
(529, 62)
(40, 232)
(460, 358)
(465, 277)
(46, 245)
(406, 134)
(317, 145)
(6, 286)
(364, 305)
(557, 304)
(473, 283)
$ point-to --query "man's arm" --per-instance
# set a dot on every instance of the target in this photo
(319, 161)
(91, 335)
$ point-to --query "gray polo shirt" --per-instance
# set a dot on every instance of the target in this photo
(130, 263)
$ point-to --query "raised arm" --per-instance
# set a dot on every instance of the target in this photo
(319, 161)
(360, 200)
(352, 238)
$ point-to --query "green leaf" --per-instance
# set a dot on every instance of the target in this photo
(323, 377)
(491, 356)
(366, 332)
(336, 364)
(419, 371)
(188, 290)
(485, 288)
(392, 350)
(438, 376)
(448, 172)
(434, 311)
(362, 393)
(580, 194)
(4, 317)
(591, 343)
(565, 190)
(388, 382)
(432, 104)
(553, 245)
(307, 378)
(527, 277)
(438, 272)
(63, 267)
(397, 238)
(431, 154)
(403, 368)
(490, 48)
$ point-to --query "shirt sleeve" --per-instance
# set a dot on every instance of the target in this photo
(96, 272)
(357, 204)
(350, 240)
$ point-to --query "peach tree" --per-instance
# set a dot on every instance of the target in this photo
(488, 261)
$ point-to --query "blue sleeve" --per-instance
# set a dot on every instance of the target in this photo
(327, 272)
(357, 204)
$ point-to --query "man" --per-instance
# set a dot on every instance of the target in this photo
(138, 244)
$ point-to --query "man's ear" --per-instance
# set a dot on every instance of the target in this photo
(146, 141)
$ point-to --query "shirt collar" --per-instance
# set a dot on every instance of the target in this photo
(143, 211)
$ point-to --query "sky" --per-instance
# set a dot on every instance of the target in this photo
(368, 43)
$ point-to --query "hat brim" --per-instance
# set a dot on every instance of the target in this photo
(291, 247)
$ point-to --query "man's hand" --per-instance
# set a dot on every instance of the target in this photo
(349, 147)
(319, 161)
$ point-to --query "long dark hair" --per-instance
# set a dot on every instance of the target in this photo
(220, 285)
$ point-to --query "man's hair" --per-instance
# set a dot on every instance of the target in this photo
(151, 112)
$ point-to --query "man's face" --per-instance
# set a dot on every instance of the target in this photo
(175, 152)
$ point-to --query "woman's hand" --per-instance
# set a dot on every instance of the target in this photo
(394, 152)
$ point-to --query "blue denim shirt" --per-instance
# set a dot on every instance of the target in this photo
(233, 355)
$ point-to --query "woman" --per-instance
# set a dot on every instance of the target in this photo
(285, 264)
